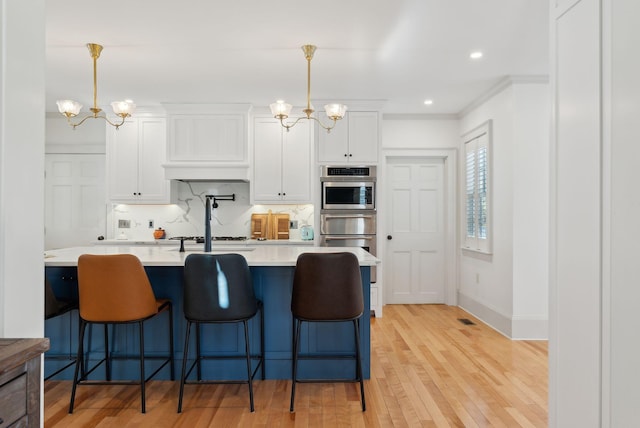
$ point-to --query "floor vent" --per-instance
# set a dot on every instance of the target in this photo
(466, 321)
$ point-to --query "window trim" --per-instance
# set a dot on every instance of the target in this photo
(475, 244)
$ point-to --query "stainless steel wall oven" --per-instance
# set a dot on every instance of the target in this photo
(348, 212)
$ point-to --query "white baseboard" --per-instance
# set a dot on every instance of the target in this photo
(516, 328)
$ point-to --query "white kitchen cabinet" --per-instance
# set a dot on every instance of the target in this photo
(281, 162)
(353, 140)
(207, 141)
(135, 154)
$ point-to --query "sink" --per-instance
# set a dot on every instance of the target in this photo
(221, 249)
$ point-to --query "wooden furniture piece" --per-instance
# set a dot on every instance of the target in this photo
(20, 381)
(269, 225)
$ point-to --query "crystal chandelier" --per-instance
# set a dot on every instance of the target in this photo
(70, 108)
(281, 110)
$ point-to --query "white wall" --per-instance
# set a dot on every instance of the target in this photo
(60, 137)
(491, 297)
(531, 211)
(419, 132)
(508, 289)
(22, 87)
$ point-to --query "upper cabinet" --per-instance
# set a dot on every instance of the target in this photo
(135, 154)
(207, 141)
(353, 140)
(282, 162)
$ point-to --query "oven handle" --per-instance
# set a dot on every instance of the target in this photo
(345, 238)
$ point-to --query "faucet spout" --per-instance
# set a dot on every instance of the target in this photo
(207, 225)
(207, 216)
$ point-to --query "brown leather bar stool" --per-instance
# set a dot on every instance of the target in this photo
(327, 287)
(54, 307)
(219, 289)
(115, 289)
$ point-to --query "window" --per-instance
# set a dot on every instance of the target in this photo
(477, 225)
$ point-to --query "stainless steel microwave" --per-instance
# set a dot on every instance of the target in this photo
(348, 187)
(349, 195)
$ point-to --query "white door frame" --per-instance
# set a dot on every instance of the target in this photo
(449, 156)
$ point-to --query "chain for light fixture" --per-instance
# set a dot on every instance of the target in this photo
(281, 110)
(70, 108)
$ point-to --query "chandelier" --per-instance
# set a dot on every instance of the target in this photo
(70, 108)
(281, 110)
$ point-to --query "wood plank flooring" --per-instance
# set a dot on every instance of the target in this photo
(427, 370)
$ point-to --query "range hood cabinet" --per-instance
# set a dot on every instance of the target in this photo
(205, 171)
(207, 142)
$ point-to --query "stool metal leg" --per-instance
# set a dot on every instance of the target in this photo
(107, 355)
(294, 376)
(184, 365)
(198, 360)
(83, 325)
(262, 339)
(248, 352)
(171, 354)
(356, 327)
(142, 383)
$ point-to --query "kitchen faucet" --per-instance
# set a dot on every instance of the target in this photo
(208, 207)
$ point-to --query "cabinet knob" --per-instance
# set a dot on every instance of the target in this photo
(350, 155)
(389, 237)
(345, 155)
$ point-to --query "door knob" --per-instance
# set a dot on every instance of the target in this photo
(389, 237)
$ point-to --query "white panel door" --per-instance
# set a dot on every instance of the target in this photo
(415, 261)
(75, 210)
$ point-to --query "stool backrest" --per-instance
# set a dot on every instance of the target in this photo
(114, 288)
(218, 287)
(327, 286)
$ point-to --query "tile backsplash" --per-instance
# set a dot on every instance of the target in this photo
(186, 216)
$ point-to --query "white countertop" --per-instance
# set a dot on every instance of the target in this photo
(174, 242)
(160, 255)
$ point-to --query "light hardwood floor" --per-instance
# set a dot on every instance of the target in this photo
(427, 369)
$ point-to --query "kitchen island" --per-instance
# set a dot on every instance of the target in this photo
(272, 270)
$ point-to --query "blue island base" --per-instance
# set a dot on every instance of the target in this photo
(272, 285)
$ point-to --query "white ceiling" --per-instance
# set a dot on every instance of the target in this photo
(248, 51)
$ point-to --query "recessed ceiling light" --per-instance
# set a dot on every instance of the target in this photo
(475, 55)
(428, 102)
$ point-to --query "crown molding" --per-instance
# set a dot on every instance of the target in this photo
(419, 116)
(502, 84)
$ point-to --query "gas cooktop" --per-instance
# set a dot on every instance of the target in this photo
(200, 239)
